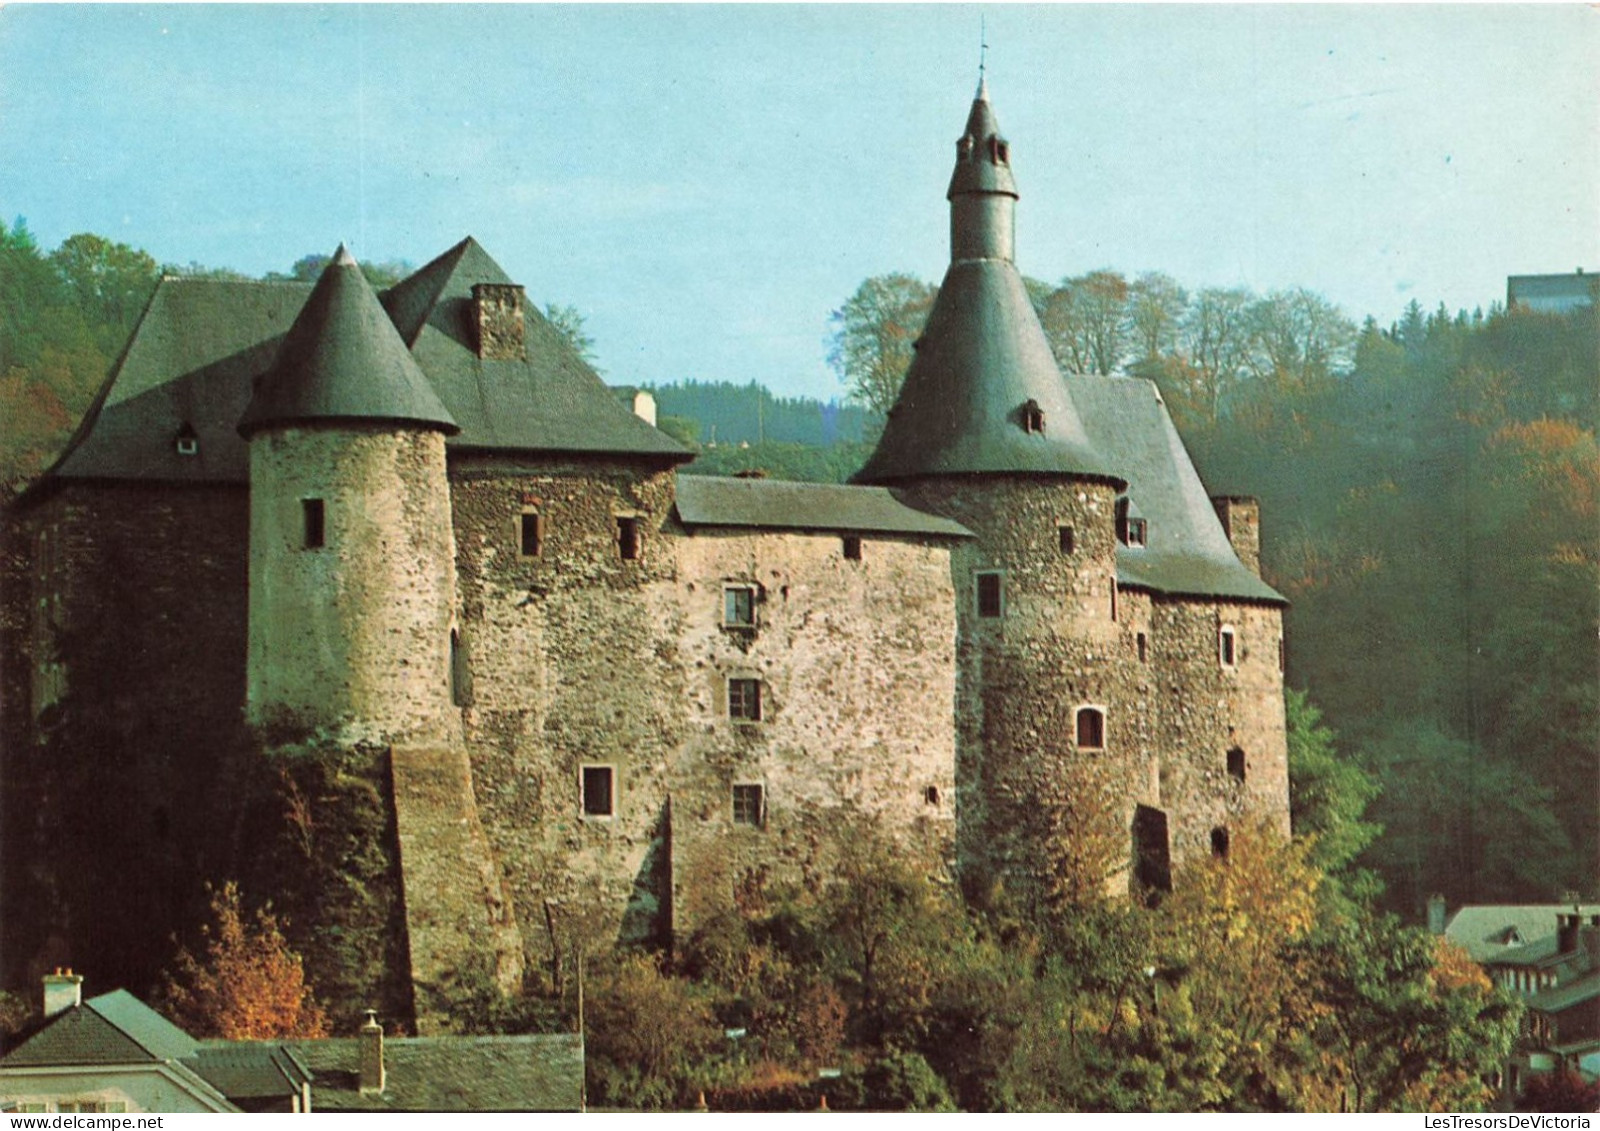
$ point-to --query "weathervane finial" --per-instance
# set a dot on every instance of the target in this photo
(983, 57)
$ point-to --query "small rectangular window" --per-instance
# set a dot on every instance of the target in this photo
(1236, 763)
(599, 791)
(628, 539)
(530, 531)
(1226, 648)
(1069, 540)
(1091, 728)
(1144, 648)
(749, 805)
(744, 700)
(314, 520)
(739, 607)
(852, 547)
(991, 595)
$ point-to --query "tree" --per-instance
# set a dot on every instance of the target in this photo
(110, 282)
(1214, 339)
(247, 985)
(870, 345)
(1086, 322)
(1156, 306)
(1327, 794)
(569, 322)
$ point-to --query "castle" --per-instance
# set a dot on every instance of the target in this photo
(417, 523)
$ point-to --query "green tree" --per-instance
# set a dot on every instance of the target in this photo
(569, 322)
(870, 344)
(1328, 794)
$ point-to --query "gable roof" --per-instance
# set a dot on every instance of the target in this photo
(113, 1028)
(1186, 551)
(775, 504)
(1559, 998)
(200, 342)
(519, 1073)
(249, 1070)
(343, 360)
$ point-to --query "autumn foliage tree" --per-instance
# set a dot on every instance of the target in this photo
(246, 984)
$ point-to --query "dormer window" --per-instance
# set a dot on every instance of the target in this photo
(1032, 417)
(187, 442)
(964, 148)
(999, 151)
(1131, 528)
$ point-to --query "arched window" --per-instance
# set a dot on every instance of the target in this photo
(1091, 728)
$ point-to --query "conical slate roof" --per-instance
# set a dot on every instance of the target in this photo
(963, 408)
(983, 394)
(343, 360)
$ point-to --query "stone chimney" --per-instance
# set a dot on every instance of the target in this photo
(1589, 934)
(1568, 927)
(63, 990)
(497, 318)
(1436, 914)
(1240, 516)
(372, 1072)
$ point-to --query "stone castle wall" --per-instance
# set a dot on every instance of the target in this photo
(354, 633)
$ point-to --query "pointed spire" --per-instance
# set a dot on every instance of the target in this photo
(343, 360)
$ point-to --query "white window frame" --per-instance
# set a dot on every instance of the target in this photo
(1228, 646)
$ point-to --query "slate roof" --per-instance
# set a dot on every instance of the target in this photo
(343, 360)
(521, 1073)
(1186, 551)
(981, 358)
(779, 505)
(1482, 929)
(113, 1028)
(200, 342)
(1563, 997)
(249, 1070)
(977, 172)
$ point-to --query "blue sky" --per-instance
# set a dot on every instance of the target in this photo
(707, 182)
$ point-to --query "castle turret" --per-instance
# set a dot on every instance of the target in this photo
(985, 431)
(352, 557)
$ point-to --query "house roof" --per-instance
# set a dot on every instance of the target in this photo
(780, 505)
(1558, 999)
(1490, 931)
(343, 360)
(982, 358)
(113, 1028)
(200, 342)
(516, 1073)
(1186, 551)
(249, 1070)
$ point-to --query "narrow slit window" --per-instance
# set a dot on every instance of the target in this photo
(1069, 540)
(531, 534)
(314, 523)
(852, 547)
(991, 595)
(749, 805)
(1219, 842)
(1227, 647)
(628, 539)
(1143, 642)
(739, 607)
(744, 700)
(1113, 598)
(1091, 728)
(599, 791)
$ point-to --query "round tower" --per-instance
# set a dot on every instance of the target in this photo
(352, 556)
(985, 431)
